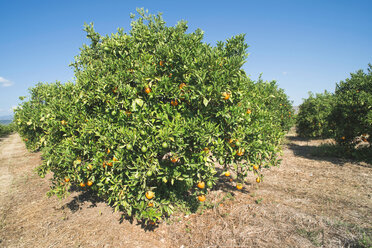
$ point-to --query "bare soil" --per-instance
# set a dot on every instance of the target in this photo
(306, 202)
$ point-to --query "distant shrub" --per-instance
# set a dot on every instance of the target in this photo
(312, 120)
(6, 129)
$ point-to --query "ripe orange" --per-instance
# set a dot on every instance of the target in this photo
(343, 137)
(151, 204)
(67, 179)
(255, 167)
(82, 185)
(115, 159)
(201, 185)
(201, 198)
(26, 139)
(182, 85)
(104, 164)
(239, 186)
(227, 173)
(174, 102)
(174, 160)
(161, 63)
(147, 90)
(225, 95)
(240, 152)
(248, 111)
(63, 122)
(231, 142)
(258, 180)
(108, 151)
(89, 183)
(110, 164)
(149, 195)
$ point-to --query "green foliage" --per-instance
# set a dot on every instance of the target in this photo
(6, 129)
(351, 116)
(152, 110)
(312, 120)
(345, 116)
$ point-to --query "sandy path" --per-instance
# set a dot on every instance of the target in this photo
(7, 150)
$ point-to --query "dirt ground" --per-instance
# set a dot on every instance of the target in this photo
(306, 202)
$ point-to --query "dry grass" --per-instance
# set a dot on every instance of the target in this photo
(306, 202)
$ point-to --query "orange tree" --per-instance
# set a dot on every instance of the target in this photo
(151, 113)
(351, 116)
(277, 101)
(313, 118)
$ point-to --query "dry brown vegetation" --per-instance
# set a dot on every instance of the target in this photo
(306, 202)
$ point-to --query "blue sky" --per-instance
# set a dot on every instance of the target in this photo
(304, 45)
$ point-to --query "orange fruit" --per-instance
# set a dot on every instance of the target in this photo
(110, 164)
(225, 95)
(115, 159)
(174, 102)
(231, 180)
(151, 204)
(147, 90)
(240, 152)
(201, 185)
(258, 180)
(255, 167)
(161, 63)
(201, 198)
(104, 164)
(248, 111)
(90, 167)
(174, 160)
(182, 85)
(67, 179)
(227, 173)
(89, 183)
(63, 122)
(343, 137)
(239, 186)
(82, 185)
(149, 195)
(26, 139)
(108, 151)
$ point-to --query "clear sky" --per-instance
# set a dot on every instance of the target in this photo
(304, 45)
